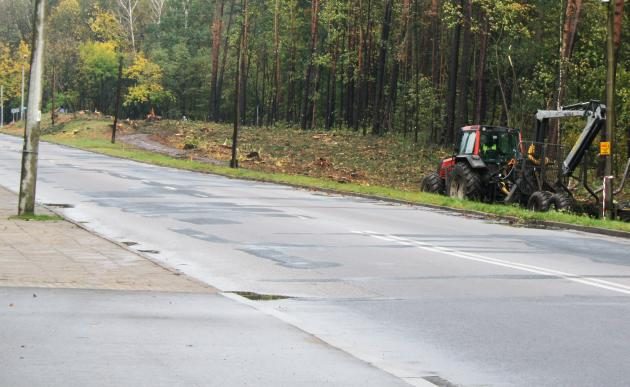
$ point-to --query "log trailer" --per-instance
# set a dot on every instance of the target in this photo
(494, 164)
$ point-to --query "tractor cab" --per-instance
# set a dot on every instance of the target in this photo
(493, 145)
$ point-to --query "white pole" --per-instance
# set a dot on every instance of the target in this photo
(2, 106)
(28, 177)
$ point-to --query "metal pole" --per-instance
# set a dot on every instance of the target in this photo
(1, 106)
(28, 178)
(610, 108)
(52, 97)
(22, 95)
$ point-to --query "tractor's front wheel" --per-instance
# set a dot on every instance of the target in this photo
(464, 183)
(539, 201)
(432, 183)
(561, 202)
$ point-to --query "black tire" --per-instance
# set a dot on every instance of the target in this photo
(539, 201)
(561, 202)
(464, 183)
(432, 183)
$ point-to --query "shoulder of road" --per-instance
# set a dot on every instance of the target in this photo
(112, 315)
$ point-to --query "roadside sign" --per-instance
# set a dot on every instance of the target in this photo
(604, 148)
(15, 110)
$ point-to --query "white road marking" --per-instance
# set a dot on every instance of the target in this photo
(170, 188)
(589, 281)
(201, 196)
(145, 181)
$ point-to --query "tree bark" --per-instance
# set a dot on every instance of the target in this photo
(217, 29)
(226, 46)
(309, 69)
(451, 94)
(277, 75)
(464, 68)
(377, 125)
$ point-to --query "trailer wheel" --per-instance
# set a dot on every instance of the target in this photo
(464, 183)
(561, 202)
(432, 183)
(539, 201)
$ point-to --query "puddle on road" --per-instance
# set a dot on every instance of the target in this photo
(59, 205)
(260, 297)
(149, 251)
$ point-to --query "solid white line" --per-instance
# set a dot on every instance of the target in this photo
(594, 282)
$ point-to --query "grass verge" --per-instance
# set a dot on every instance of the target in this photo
(515, 213)
(36, 218)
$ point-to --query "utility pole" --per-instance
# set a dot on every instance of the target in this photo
(117, 107)
(1, 106)
(28, 178)
(607, 144)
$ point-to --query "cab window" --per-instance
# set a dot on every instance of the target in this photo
(467, 146)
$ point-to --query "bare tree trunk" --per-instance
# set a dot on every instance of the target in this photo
(226, 46)
(241, 52)
(277, 75)
(480, 100)
(309, 69)
(451, 94)
(377, 126)
(128, 8)
(464, 69)
(217, 28)
(291, 105)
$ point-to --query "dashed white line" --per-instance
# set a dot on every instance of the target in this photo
(589, 281)
(170, 188)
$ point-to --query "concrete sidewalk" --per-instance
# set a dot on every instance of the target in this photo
(77, 310)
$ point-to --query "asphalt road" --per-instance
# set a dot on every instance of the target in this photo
(422, 294)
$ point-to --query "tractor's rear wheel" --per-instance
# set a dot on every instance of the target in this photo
(432, 183)
(464, 183)
(561, 202)
(539, 201)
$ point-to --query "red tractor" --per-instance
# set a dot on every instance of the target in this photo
(481, 167)
(494, 164)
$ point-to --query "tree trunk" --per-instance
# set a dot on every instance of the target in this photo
(242, 48)
(377, 126)
(451, 94)
(277, 75)
(309, 69)
(217, 28)
(480, 99)
(226, 46)
(464, 69)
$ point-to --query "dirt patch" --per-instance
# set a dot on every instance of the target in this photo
(343, 156)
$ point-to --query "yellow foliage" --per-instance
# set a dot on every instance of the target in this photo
(11, 62)
(148, 82)
(106, 27)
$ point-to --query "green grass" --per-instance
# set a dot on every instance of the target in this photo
(514, 213)
(36, 218)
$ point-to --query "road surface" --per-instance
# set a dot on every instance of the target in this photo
(419, 293)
